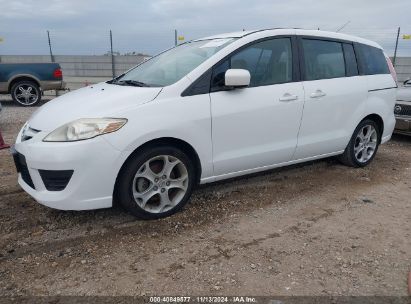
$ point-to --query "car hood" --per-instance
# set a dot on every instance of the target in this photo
(404, 94)
(100, 100)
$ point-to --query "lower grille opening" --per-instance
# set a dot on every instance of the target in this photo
(25, 175)
(21, 166)
(56, 180)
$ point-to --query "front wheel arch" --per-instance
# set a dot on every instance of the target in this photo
(172, 188)
(165, 141)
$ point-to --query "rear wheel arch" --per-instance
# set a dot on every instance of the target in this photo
(362, 147)
(378, 120)
(25, 91)
(22, 78)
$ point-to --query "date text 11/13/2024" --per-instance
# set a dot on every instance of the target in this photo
(203, 299)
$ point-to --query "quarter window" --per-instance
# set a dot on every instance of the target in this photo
(269, 62)
(373, 60)
(323, 59)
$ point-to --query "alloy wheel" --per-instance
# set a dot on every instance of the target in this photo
(160, 184)
(26, 94)
(365, 144)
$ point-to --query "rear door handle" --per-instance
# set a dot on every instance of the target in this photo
(288, 97)
(317, 94)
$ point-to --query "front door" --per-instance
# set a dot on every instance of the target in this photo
(256, 126)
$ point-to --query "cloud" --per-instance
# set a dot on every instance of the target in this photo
(81, 26)
(54, 9)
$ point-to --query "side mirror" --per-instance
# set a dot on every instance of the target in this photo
(237, 78)
(407, 83)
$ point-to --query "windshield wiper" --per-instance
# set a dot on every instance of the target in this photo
(115, 80)
(132, 83)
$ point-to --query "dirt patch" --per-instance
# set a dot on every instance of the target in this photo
(313, 229)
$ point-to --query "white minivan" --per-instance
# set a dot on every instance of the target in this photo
(208, 110)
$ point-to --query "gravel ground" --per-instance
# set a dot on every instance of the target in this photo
(313, 229)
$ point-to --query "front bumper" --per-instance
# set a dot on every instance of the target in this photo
(403, 117)
(403, 125)
(94, 165)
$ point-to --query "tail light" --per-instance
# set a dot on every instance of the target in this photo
(58, 73)
(392, 69)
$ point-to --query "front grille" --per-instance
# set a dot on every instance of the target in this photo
(402, 109)
(56, 180)
(21, 166)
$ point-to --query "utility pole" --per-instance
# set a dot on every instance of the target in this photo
(51, 53)
(112, 55)
(396, 47)
(175, 38)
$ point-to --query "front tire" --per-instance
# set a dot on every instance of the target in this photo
(26, 93)
(363, 145)
(156, 182)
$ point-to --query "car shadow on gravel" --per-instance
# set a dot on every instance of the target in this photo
(331, 161)
(401, 138)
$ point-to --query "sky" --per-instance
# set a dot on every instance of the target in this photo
(82, 26)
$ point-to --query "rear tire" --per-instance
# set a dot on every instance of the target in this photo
(156, 182)
(26, 93)
(363, 145)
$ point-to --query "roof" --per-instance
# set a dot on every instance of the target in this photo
(318, 33)
(228, 35)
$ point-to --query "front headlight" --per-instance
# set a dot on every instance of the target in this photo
(85, 128)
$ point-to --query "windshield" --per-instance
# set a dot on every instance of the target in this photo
(172, 65)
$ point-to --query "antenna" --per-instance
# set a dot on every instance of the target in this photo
(344, 25)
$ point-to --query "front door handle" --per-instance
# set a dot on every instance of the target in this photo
(288, 97)
(317, 94)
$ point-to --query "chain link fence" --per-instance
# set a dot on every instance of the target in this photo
(88, 58)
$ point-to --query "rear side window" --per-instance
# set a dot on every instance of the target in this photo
(373, 60)
(269, 62)
(323, 59)
(350, 60)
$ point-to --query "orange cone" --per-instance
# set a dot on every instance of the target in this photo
(2, 143)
